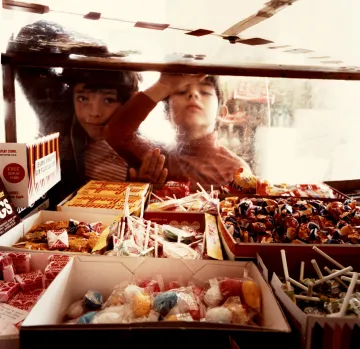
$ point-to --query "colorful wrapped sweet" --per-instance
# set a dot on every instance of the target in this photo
(8, 290)
(238, 301)
(291, 220)
(21, 261)
(25, 300)
(57, 239)
(30, 281)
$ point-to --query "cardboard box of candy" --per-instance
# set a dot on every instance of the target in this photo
(102, 197)
(23, 279)
(312, 288)
(256, 225)
(203, 223)
(29, 170)
(64, 232)
(134, 284)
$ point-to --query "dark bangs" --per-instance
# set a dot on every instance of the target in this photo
(126, 83)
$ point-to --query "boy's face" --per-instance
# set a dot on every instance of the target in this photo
(194, 105)
(93, 109)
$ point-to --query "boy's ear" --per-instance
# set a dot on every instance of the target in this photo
(223, 111)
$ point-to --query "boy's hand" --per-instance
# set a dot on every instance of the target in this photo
(152, 169)
(169, 83)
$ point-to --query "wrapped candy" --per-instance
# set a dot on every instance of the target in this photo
(76, 309)
(57, 239)
(87, 318)
(179, 317)
(219, 314)
(21, 261)
(30, 281)
(141, 304)
(93, 300)
(164, 302)
(25, 300)
(8, 290)
(7, 268)
(238, 312)
(114, 315)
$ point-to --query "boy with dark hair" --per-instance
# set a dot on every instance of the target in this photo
(77, 103)
(192, 105)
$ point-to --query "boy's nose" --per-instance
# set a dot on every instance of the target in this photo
(95, 107)
(193, 93)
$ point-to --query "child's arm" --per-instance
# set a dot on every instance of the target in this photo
(120, 132)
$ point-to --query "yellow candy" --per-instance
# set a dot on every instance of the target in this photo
(141, 305)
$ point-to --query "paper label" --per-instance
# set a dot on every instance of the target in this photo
(11, 314)
(45, 166)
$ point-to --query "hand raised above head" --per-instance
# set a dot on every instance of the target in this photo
(169, 83)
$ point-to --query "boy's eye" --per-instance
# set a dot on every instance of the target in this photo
(206, 93)
(110, 100)
(82, 99)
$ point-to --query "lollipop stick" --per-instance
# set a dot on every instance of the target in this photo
(146, 242)
(310, 289)
(302, 268)
(156, 240)
(203, 190)
(297, 284)
(317, 269)
(331, 276)
(348, 295)
(118, 230)
(346, 278)
(285, 267)
(157, 197)
(336, 278)
(328, 258)
(212, 192)
(306, 298)
(126, 206)
(122, 230)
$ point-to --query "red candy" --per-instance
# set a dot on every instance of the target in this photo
(230, 287)
(58, 239)
(30, 281)
(21, 261)
(7, 290)
(25, 300)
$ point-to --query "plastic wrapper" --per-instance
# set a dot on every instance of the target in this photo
(171, 188)
(219, 314)
(179, 317)
(76, 310)
(164, 302)
(244, 182)
(21, 261)
(57, 239)
(239, 314)
(30, 281)
(93, 300)
(8, 290)
(177, 234)
(179, 251)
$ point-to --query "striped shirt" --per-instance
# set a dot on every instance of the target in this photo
(103, 163)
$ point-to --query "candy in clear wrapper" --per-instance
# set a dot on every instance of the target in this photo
(57, 239)
(219, 314)
(164, 302)
(87, 318)
(141, 305)
(239, 314)
(179, 317)
(93, 299)
(130, 292)
(21, 261)
(213, 295)
(76, 309)
(7, 290)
